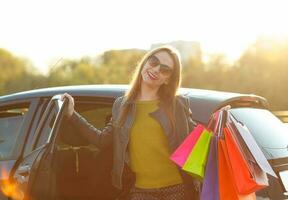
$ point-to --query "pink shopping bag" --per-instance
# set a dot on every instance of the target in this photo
(180, 155)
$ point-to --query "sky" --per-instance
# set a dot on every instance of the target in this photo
(46, 31)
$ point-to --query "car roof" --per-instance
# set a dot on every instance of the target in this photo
(203, 102)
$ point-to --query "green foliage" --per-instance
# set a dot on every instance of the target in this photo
(17, 74)
(118, 65)
(262, 70)
(114, 67)
(74, 72)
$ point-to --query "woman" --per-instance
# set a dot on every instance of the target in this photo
(147, 124)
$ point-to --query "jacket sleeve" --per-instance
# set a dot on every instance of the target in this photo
(191, 122)
(185, 101)
(101, 138)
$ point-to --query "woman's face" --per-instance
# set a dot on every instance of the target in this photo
(157, 69)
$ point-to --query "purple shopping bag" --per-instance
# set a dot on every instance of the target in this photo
(210, 189)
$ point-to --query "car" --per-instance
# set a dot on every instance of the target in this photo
(43, 157)
(282, 115)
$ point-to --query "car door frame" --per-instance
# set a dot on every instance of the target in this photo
(26, 172)
(7, 166)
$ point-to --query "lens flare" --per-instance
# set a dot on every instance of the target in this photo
(9, 188)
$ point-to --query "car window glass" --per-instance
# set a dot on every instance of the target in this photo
(47, 127)
(37, 118)
(97, 115)
(10, 123)
(269, 132)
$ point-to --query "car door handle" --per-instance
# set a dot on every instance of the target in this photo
(24, 170)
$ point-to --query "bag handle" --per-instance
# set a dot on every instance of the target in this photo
(218, 120)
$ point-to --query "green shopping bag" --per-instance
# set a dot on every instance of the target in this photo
(196, 161)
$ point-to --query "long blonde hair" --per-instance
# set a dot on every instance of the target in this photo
(166, 92)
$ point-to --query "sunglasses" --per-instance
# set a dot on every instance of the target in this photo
(153, 61)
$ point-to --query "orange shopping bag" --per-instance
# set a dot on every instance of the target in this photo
(227, 188)
(243, 176)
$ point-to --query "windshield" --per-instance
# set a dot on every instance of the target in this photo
(269, 132)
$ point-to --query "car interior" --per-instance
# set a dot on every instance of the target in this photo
(82, 171)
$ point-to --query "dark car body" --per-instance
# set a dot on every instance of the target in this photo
(43, 157)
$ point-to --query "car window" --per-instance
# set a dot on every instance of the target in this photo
(269, 132)
(97, 114)
(47, 127)
(284, 177)
(10, 122)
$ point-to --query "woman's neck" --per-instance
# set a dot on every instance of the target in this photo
(148, 93)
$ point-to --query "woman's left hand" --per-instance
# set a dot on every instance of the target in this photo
(197, 185)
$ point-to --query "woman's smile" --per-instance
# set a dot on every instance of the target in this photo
(152, 76)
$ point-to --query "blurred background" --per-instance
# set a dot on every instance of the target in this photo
(235, 46)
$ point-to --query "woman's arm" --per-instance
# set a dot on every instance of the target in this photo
(100, 138)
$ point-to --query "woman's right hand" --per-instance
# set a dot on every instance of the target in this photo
(70, 108)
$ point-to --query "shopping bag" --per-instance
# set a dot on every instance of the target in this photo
(180, 155)
(196, 161)
(227, 188)
(252, 146)
(243, 179)
(255, 171)
(210, 188)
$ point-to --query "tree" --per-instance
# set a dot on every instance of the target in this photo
(263, 70)
(17, 74)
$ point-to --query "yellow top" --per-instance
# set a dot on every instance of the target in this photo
(149, 150)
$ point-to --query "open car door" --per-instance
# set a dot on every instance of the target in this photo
(33, 175)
